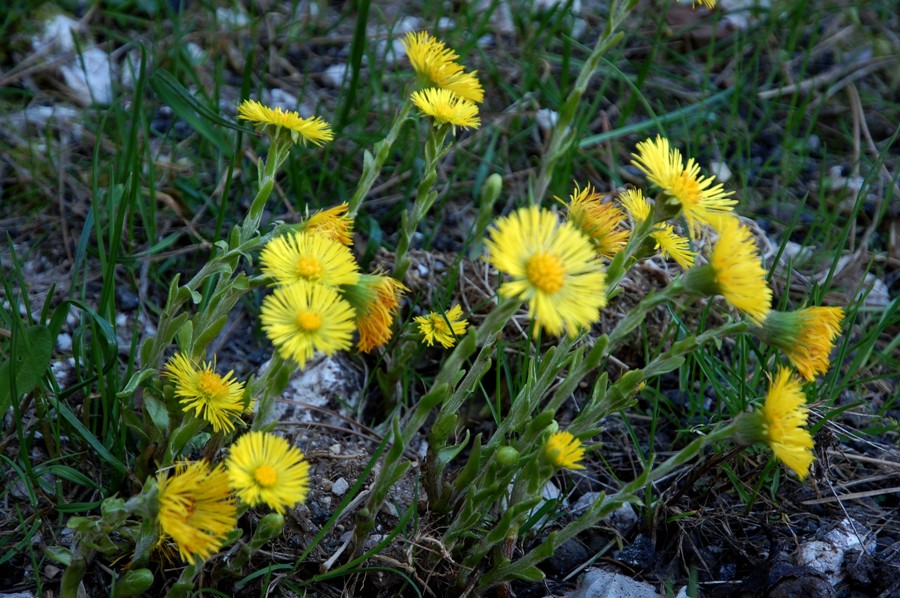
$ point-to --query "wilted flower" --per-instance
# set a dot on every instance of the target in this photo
(196, 509)
(806, 336)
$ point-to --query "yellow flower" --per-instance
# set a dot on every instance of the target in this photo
(699, 200)
(710, 4)
(564, 451)
(436, 63)
(303, 318)
(735, 272)
(443, 328)
(599, 221)
(196, 509)
(333, 224)
(308, 257)
(265, 468)
(375, 298)
(673, 245)
(314, 129)
(806, 336)
(552, 266)
(783, 416)
(215, 398)
(446, 107)
(635, 204)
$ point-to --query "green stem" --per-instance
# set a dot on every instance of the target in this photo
(563, 136)
(602, 508)
(425, 197)
(372, 164)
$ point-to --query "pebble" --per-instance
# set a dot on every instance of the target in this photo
(340, 487)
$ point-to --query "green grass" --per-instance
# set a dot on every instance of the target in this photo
(147, 191)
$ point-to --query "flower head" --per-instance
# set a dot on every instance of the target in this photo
(196, 509)
(314, 129)
(783, 416)
(599, 221)
(735, 272)
(333, 224)
(699, 200)
(553, 267)
(635, 204)
(309, 257)
(437, 64)
(375, 299)
(303, 318)
(564, 451)
(446, 107)
(444, 328)
(673, 245)
(215, 398)
(265, 468)
(806, 336)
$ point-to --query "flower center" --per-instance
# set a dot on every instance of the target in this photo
(438, 323)
(309, 321)
(686, 189)
(211, 384)
(309, 268)
(265, 476)
(545, 271)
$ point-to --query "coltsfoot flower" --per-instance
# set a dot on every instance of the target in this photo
(700, 201)
(265, 468)
(672, 245)
(601, 222)
(552, 266)
(215, 398)
(309, 257)
(443, 328)
(563, 451)
(375, 299)
(805, 335)
(780, 424)
(446, 107)
(635, 204)
(735, 272)
(303, 318)
(333, 224)
(196, 509)
(314, 129)
(436, 63)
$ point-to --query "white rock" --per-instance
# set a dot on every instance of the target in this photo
(282, 99)
(721, 171)
(546, 5)
(231, 19)
(89, 76)
(334, 75)
(58, 34)
(826, 554)
(446, 23)
(64, 342)
(597, 583)
(546, 119)
(391, 51)
(340, 487)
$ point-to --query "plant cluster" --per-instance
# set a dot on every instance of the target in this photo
(563, 264)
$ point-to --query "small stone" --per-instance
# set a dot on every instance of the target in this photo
(721, 171)
(546, 119)
(89, 77)
(334, 75)
(64, 342)
(335, 449)
(340, 487)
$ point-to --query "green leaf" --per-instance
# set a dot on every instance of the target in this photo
(185, 106)
(32, 348)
